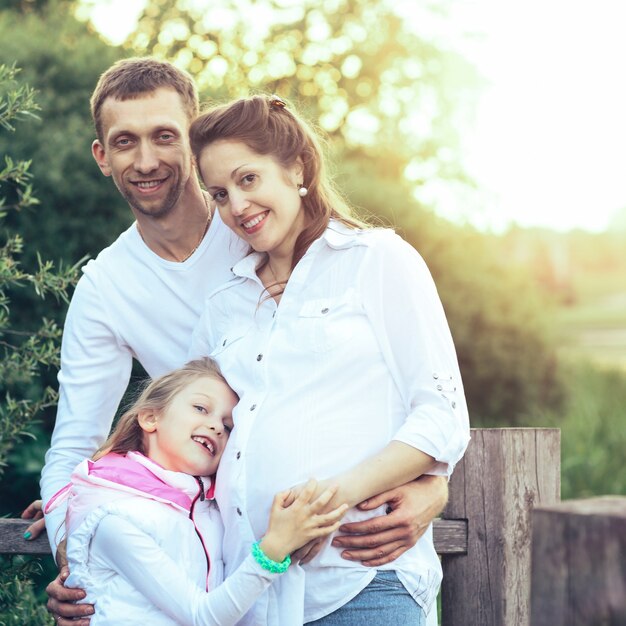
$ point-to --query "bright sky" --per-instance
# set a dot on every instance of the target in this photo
(548, 143)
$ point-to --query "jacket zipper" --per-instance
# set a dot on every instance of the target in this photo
(200, 496)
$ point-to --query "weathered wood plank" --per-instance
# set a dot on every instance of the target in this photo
(504, 474)
(12, 539)
(579, 563)
(450, 537)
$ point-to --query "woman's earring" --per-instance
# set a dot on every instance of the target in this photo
(302, 190)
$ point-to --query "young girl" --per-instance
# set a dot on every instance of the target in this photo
(144, 536)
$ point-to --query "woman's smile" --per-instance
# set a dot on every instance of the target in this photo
(254, 224)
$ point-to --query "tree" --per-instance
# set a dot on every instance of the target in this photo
(23, 353)
(388, 97)
(62, 59)
(381, 89)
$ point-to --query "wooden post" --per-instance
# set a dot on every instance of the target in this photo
(579, 563)
(503, 475)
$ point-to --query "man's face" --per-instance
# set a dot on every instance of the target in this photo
(146, 150)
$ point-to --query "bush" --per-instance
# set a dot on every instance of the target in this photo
(593, 438)
(22, 353)
(18, 604)
(80, 211)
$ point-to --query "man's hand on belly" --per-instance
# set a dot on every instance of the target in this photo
(382, 539)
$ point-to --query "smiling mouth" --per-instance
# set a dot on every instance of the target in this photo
(148, 185)
(255, 221)
(205, 442)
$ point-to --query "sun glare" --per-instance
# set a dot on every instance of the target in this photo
(545, 144)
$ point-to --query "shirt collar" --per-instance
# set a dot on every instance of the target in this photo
(337, 236)
(248, 265)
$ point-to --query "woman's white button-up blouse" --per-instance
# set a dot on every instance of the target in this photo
(357, 353)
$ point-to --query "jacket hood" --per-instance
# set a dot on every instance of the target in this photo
(133, 474)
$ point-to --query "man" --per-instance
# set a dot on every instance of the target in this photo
(143, 295)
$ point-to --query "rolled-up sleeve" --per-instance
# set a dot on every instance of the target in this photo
(402, 303)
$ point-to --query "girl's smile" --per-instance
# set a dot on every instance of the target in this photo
(207, 443)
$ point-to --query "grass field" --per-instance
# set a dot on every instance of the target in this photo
(594, 326)
(591, 336)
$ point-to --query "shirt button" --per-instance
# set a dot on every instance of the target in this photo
(224, 343)
(238, 511)
(435, 376)
(274, 314)
(439, 387)
(259, 357)
(239, 453)
(253, 407)
(325, 310)
(453, 404)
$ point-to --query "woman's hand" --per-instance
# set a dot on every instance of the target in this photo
(34, 511)
(299, 516)
(411, 509)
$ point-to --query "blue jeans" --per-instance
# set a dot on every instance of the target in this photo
(384, 601)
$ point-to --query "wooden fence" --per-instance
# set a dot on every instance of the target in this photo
(485, 534)
(579, 563)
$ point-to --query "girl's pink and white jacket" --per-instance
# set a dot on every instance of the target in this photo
(145, 543)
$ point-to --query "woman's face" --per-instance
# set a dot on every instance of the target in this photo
(256, 196)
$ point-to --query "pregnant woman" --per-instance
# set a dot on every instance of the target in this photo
(334, 338)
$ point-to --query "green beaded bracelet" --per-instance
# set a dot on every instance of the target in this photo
(265, 562)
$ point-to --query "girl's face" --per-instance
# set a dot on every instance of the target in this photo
(191, 433)
(256, 196)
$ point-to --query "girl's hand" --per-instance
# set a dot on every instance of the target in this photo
(296, 520)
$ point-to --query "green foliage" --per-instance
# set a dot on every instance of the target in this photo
(81, 211)
(18, 604)
(22, 352)
(593, 437)
(15, 104)
(23, 6)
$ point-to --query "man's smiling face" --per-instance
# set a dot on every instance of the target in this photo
(146, 150)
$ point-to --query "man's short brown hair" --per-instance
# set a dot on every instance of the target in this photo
(137, 76)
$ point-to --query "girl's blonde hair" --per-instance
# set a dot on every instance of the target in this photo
(156, 395)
